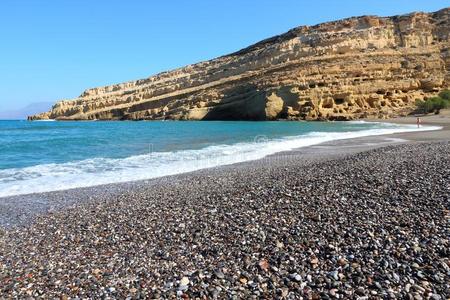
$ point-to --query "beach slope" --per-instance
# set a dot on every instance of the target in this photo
(366, 218)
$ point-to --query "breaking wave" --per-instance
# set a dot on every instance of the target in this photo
(98, 171)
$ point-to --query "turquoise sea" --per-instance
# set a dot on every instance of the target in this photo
(48, 156)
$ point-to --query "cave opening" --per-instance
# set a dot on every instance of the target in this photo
(339, 101)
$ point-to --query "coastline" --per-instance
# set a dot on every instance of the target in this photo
(20, 210)
(443, 120)
(363, 217)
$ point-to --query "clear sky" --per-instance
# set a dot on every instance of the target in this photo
(54, 49)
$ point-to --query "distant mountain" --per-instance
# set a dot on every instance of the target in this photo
(23, 113)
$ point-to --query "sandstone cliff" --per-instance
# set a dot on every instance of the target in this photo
(359, 67)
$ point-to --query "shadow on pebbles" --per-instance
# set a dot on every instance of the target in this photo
(368, 225)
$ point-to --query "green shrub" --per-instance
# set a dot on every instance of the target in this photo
(434, 104)
(439, 103)
(445, 94)
(424, 106)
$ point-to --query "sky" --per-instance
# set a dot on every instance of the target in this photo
(55, 49)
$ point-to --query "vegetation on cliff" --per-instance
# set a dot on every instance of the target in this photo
(435, 104)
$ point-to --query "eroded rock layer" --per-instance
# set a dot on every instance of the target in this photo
(359, 67)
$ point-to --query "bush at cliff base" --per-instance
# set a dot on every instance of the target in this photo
(435, 104)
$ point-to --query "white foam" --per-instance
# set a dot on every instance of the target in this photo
(97, 171)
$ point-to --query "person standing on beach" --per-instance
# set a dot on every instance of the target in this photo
(419, 121)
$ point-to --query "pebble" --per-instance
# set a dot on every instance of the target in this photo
(296, 277)
(334, 275)
(184, 281)
(219, 274)
(367, 225)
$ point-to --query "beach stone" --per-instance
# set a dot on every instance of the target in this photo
(296, 277)
(131, 239)
(184, 281)
(334, 275)
(219, 274)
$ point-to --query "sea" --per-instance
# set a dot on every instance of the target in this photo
(45, 156)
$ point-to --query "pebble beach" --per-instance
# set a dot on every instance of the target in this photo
(361, 223)
(158, 151)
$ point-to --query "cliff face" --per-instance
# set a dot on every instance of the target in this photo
(358, 67)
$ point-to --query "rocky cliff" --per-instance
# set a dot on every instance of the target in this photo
(359, 67)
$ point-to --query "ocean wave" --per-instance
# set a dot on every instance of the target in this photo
(98, 171)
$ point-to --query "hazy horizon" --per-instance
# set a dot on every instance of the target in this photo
(55, 51)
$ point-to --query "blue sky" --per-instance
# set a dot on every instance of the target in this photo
(51, 50)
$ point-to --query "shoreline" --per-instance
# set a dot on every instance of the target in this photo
(357, 224)
(443, 120)
(364, 217)
(19, 210)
